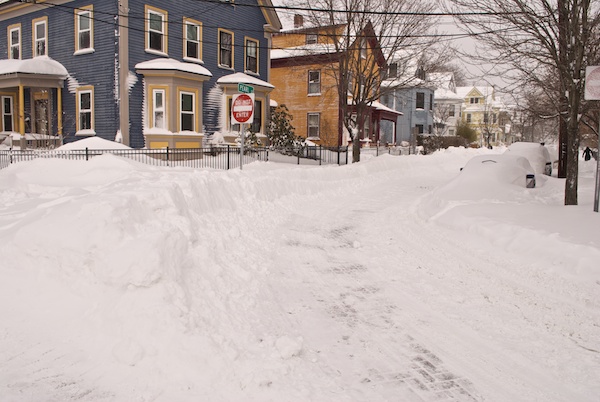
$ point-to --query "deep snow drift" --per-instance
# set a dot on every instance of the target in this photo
(392, 279)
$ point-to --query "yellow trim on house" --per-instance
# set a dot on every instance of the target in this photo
(165, 38)
(195, 92)
(166, 100)
(191, 21)
(34, 31)
(8, 37)
(87, 88)
(187, 144)
(219, 48)
(79, 11)
(158, 144)
(246, 40)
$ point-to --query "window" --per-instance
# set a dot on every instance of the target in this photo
(312, 38)
(419, 128)
(40, 37)
(192, 33)
(420, 100)
(85, 110)
(451, 110)
(494, 118)
(430, 129)
(251, 56)
(187, 111)
(314, 124)
(232, 126)
(256, 125)
(486, 118)
(158, 108)
(7, 113)
(474, 100)
(156, 30)
(225, 48)
(451, 132)
(468, 117)
(430, 101)
(84, 25)
(363, 48)
(14, 41)
(314, 82)
(393, 70)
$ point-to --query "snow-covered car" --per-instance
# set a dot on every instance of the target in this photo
(498, 170)
(536, 153)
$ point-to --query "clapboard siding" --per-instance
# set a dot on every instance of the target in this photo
(98, 69)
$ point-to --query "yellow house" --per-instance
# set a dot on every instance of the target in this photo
(482, 112)
(305, 71)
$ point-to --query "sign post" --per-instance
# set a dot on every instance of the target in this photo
(592, 92)
(242, 112)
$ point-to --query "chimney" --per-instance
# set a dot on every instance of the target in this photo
(298, 21)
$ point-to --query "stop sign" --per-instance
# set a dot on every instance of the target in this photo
(242, 108)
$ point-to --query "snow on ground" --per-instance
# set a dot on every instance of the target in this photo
(393, 279)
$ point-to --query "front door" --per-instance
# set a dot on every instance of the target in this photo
(41, 112)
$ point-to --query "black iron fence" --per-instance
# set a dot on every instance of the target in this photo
(215, 157)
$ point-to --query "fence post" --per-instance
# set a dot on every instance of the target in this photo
(228, 157)
(299, 150)
(346, 154)
(167, 156)
(320, 154)
(86, 154)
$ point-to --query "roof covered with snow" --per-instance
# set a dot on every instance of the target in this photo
(43, 65)
(173, 65)
(304, 50)
(241, 78)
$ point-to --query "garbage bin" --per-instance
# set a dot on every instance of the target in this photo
(530, 181)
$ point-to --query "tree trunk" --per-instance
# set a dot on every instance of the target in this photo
(356, 150)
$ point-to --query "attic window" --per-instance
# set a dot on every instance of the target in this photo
(311, 39)
(474, 100)
(393, 70)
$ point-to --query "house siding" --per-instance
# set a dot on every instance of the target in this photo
(98, 69)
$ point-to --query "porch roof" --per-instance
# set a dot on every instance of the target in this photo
(173, 65)
(241, 78)
(40, 71)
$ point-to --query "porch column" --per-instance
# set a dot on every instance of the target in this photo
(22, 110)
(59, 111)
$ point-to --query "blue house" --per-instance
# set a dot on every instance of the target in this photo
(151, 73)
(410, 93)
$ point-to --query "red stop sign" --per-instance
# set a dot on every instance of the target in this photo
(242, 108)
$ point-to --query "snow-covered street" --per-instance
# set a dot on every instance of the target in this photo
(386, 280)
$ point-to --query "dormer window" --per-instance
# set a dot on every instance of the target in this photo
(393, 70)
(474, 100)
(312, 39)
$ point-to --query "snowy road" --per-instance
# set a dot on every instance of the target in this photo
(123, 282)
(410, 311)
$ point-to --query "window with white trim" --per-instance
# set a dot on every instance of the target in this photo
(312, 38)
(84, 28)
(451, 110)
(7, 113)
(192, 32)
(14, 42)
(251, 55)
(469, 118)
(156, 30)
(85, 110)
(314, 82)
(225, 48)
(158, 108)
(256, 125)
(420, 100)
(40, 37)
(187, 111)
(314, 123)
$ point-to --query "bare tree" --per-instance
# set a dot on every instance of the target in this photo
(529, 40)
(366, 35)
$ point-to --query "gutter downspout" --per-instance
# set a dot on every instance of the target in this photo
(123, 19)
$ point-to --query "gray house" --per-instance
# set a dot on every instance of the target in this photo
(413, 96)
(151, 73)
